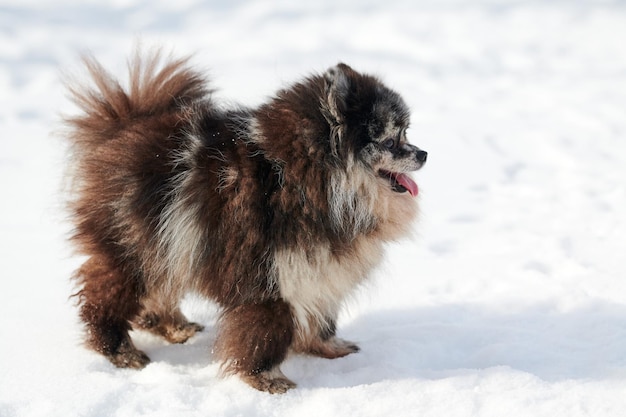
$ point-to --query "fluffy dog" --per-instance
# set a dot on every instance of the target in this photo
(276, 213)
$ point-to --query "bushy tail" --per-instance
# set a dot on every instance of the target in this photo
(156, 86)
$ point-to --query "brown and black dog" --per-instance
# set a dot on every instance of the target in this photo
(276, 213)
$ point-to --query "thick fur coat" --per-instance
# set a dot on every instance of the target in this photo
(276, 213)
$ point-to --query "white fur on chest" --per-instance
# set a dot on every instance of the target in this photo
(316, 282)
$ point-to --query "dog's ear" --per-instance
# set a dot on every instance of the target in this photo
(337, 86)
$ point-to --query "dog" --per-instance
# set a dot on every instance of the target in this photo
(277, 213)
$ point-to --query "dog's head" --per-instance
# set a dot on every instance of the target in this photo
(368, 126)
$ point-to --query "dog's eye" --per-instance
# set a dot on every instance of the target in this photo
(389, 143)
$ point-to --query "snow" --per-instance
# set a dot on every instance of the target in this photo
(509, 300)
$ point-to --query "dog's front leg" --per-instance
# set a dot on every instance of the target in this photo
(253, 341)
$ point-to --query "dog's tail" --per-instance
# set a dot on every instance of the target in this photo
(156, 87)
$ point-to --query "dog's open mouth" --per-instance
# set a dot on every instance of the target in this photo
(400, 183)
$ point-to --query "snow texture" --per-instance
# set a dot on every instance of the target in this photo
(509, 301)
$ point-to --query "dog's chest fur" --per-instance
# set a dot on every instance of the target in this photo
(315, 282)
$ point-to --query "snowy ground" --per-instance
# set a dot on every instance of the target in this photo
(511, 299)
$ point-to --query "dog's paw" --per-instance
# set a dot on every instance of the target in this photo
(180, 334)
(129, 357)
(331, 349)
(174, 328)
(274, 381)
(126, 355)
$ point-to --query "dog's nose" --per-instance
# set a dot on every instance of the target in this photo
(421, 156)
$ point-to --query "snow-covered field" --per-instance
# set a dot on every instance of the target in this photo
(509, 301)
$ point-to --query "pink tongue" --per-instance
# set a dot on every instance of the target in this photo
(406, 181)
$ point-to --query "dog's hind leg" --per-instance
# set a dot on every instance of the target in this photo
(164, 318)
(252, 342)
(109, 299)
